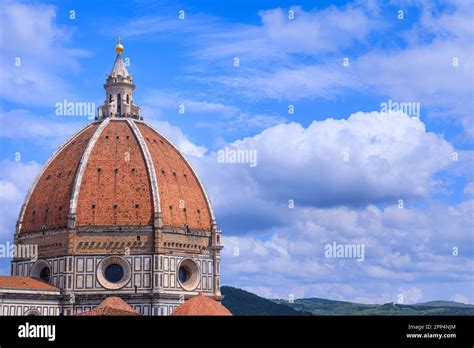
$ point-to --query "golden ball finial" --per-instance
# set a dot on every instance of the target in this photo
(119, 47)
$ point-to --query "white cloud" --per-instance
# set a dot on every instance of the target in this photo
(241, 121)
(406, 251)
(178, 138)
(423, 73)
(30, 33)
(155, 26)
(15, 180)
(277, 62)
(327, 30)
(389, 157)
(47, 131)
(469, 189)
(173, 100)
(411, 295)
(355, 202)
(30, 28)
(260, 290)
(226, 118)
(293, 83)
(460, 298)
(32, 85)
(330, 29)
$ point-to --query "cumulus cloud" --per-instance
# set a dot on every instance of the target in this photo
(178, 138)
(391, 154)
(429, 60)
(368, 158)
(52, 131)
(331, 181)
(460, 298)
(435, 65)
(330, 29)
(30, 34)
(155, 104)
(15, 180)
(354, 202)
(425, 74)
(406, 250)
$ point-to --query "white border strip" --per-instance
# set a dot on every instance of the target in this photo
(150, 167)
(190, 167)
(82, 169)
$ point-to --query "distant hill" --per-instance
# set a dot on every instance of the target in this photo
(445, 304)
(241, 302)
(318, 306)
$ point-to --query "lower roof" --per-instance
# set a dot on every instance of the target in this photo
(25, 283)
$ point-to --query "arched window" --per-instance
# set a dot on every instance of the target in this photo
(182, 275)
(119, 104)
(128, 99)
(110, 98)
(32, 312)
(45, 274)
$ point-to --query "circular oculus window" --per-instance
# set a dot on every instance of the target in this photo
(114, 272)
(188, 274)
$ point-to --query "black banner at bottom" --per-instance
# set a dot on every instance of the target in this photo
(197, 331)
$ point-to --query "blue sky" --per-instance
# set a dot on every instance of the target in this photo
(423, 55)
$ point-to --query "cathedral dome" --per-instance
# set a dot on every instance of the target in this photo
(116, 211)
(116, 171)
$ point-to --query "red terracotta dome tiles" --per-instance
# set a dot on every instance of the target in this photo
(182, 199)
(48, 204)
(115, 188)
